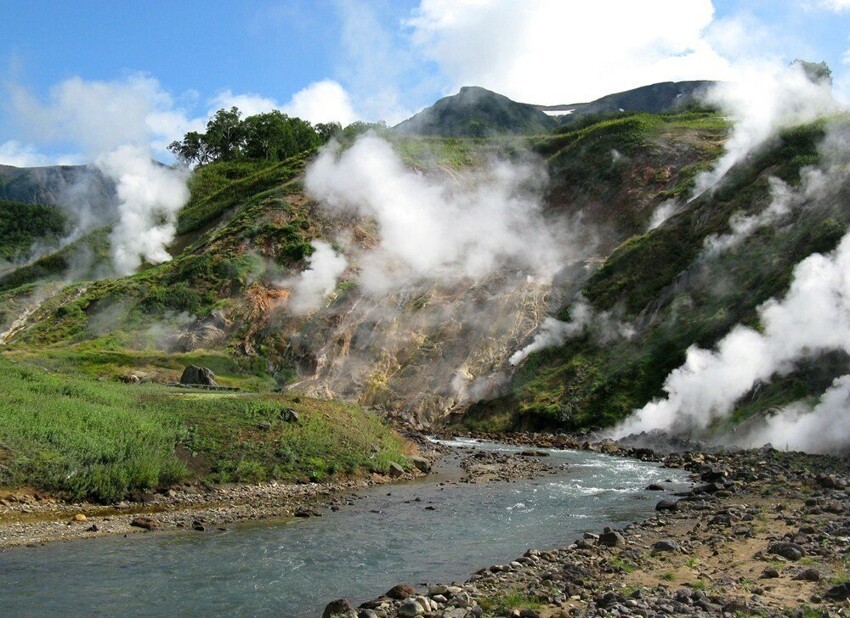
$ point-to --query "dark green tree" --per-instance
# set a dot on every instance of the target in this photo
(225, 135)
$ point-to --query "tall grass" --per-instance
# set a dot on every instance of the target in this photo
(102, 440)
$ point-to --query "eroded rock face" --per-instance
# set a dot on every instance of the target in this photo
(423, 352)
(198, 375)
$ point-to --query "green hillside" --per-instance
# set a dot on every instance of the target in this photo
(476, 112)
(247, 232)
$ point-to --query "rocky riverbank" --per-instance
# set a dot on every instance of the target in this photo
(31, 518)
(762, 532)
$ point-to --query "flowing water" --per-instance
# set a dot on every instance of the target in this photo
(293, 568)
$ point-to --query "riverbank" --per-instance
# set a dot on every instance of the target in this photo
(29, 518)
(762, 532)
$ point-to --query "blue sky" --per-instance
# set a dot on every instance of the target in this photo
(83, 77)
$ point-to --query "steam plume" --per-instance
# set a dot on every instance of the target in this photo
(814, 317)
(603, 326)
(317, 281)
(762, 101)
(437, 228)
(150, 195)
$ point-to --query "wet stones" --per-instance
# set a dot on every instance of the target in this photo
(421, 464)
(401, 592)
(666, 505)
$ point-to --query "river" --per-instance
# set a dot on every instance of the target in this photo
(427, 531)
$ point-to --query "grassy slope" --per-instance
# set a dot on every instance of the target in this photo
(21, 225)
(67, 433)
(657, 280)
(69, 426)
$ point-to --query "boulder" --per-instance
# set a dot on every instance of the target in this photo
(148, 523)
(789, 551)
(410, 608)
(422, 464)
(198, 375)
(340, 608)
(838, 592)
(666, 505)
(665, 545)
(395, 470)
(289, 415)
(400, 592)
(611, 538)
(810, 574)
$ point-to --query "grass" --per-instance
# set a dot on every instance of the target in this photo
(101, 440)
(221, 186)
(508, 600)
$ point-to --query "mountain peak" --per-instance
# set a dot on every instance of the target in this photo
(476, 112)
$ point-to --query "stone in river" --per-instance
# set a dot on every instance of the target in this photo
(611, 538)
(340, 608)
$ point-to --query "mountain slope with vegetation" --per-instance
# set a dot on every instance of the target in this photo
(430, 349)
(476, 112)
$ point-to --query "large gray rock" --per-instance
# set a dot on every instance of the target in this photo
(395, 470)
(665, 545)
(410, 609)
(611, 538)
(198, 375)
(789, 551)
(422, 464)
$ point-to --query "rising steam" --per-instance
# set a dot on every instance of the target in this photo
(318, 280)
(436, 228)
(764, 100)
(149, 197)
(603, 326)
(813, 318)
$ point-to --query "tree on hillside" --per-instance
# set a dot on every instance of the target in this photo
(225, 135)
(815, 71)
(272, 136)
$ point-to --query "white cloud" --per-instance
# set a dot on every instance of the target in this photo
(835, 5)
(17, 154)
(248, 104)
(556, 52)
(97, 115)
(324, 101)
